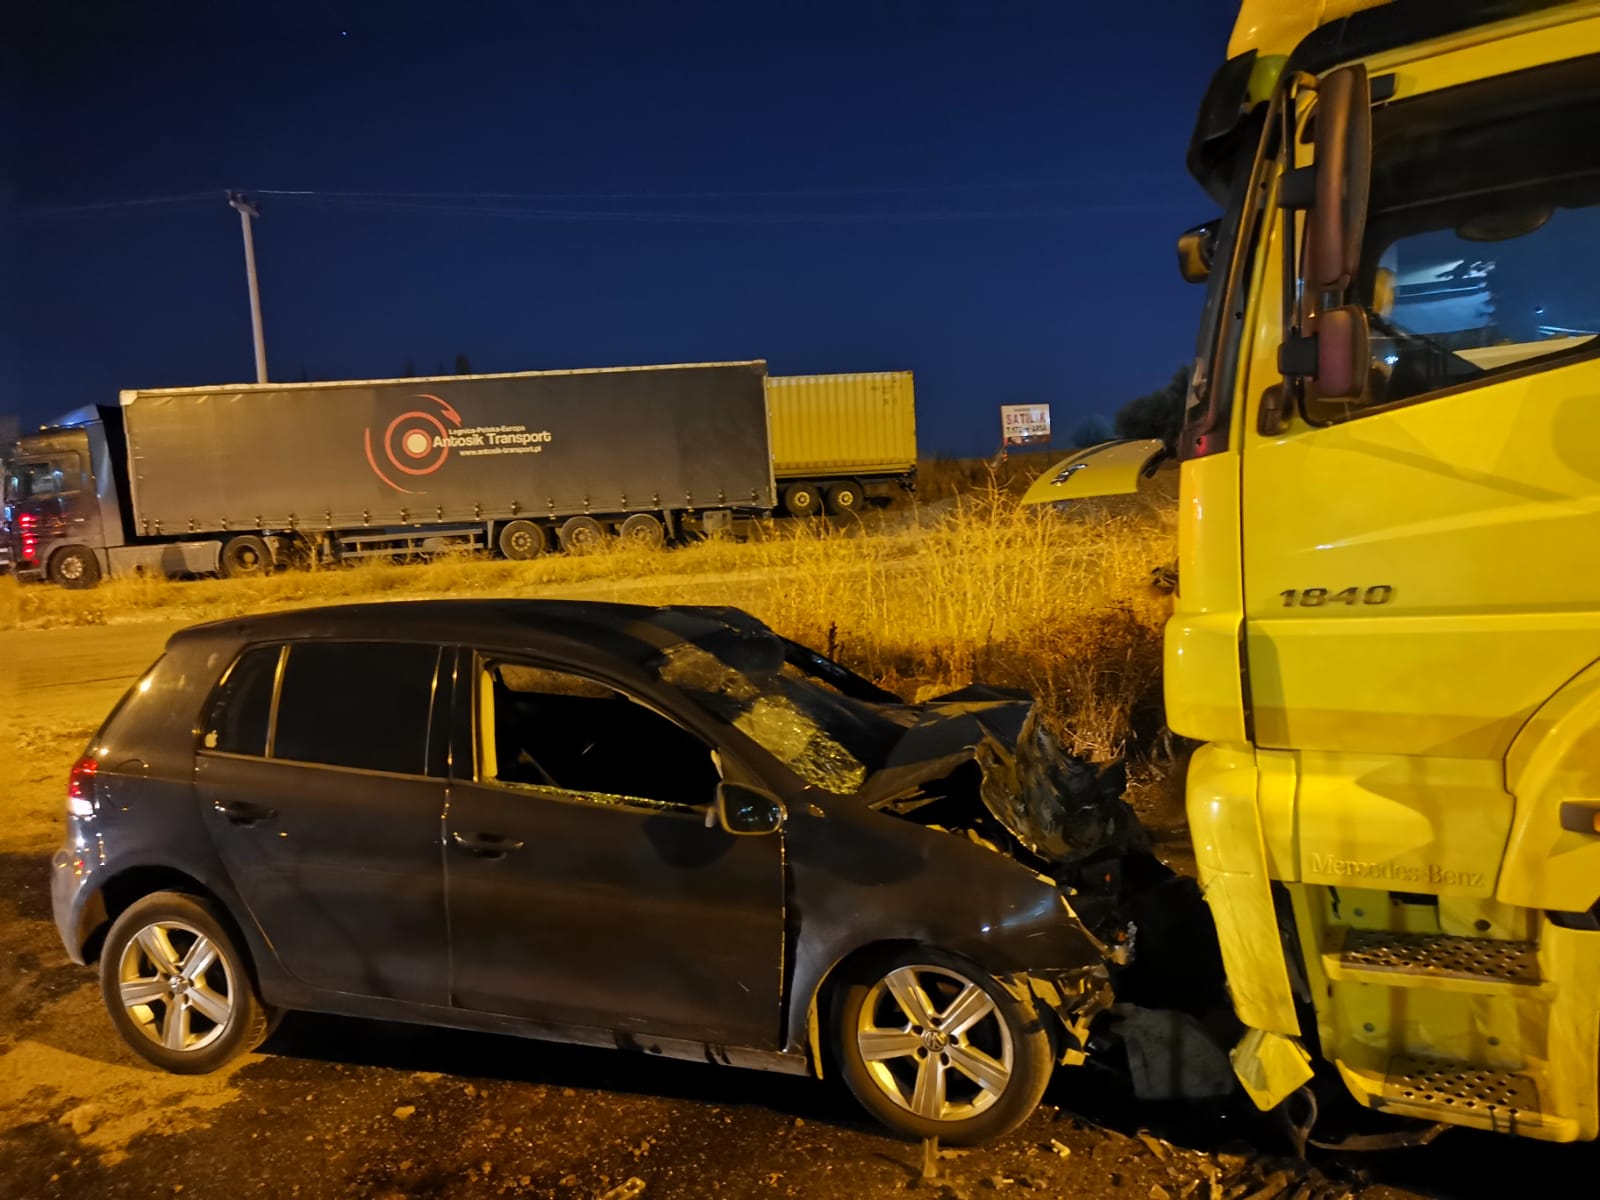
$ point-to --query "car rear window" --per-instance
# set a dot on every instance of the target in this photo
(356, 704)
(236, 722)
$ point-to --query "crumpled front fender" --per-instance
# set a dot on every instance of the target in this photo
(1073, 997)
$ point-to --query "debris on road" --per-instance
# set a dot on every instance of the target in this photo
(81, 1119)
(626, 1190)
(1060, 1147)
(405, 1112)
(1155, 1145)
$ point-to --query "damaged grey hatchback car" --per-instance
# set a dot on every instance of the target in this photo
(666, 830)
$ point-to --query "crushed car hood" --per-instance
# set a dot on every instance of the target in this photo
(1063, 809)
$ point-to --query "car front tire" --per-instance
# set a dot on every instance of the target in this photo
(177, 987)
(933, 1046)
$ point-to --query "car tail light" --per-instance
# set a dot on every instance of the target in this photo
(80, 787)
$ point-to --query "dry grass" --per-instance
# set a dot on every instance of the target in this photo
(978, 589)
(943, 478)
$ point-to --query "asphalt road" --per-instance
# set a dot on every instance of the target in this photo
(339, 1108)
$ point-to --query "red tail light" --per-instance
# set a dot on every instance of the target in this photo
(30, 540)
(80, 786)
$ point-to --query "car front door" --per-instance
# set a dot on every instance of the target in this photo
(584, 885)
(313, 778)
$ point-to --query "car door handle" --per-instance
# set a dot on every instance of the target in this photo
(485, 845)
(243, 812)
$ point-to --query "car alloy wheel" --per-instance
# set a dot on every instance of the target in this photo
(934, 1043)
(176, 986)
(934, 1046)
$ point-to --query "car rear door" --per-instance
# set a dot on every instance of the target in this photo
(314, 781)
(584, 885)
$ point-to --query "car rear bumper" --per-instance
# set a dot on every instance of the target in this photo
(77, 904)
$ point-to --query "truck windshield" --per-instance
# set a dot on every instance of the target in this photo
(1483, 243)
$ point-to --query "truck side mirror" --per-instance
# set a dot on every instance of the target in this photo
(1337, 353)
(1343, 177)
(1197, 249)
(745, 811)
(1344, 353)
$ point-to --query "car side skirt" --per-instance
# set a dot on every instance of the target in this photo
(751, 1058)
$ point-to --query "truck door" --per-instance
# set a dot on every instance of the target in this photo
(1419, 571)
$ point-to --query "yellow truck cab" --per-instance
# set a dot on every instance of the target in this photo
(1387, 625)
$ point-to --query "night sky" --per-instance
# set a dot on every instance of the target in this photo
(984, 193)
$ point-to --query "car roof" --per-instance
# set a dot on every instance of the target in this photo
(492, 621)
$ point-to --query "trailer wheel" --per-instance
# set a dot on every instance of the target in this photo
(802, 500)
(582, 534)
(844, 498)
(245, 556)
(521, 540)
(74, 567)
(642, 529)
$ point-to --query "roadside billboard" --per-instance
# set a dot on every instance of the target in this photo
(1024, 424)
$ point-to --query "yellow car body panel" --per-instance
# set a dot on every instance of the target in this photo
(1109, 469)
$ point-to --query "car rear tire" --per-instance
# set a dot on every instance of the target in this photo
(521, 540)
(844, 498)
(933, 1046)
(245, 557)
(74, 567)
(582, 534)
(802, 500)
(642, 529)
(177, 988)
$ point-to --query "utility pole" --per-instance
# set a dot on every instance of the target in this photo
(247, 211)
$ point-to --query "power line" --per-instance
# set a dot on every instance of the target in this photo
(642, 217)
(902, 189)
(47, 212)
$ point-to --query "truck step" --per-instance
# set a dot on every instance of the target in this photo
(1461, 1093)
(1414, 958)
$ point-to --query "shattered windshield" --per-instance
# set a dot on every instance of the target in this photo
(768, 690)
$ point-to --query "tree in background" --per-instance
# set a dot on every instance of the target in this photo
(1091, 431)
(463, 367)
(408, 371)
(1158, 414)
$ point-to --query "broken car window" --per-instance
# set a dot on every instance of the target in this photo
(544, 728)
(826, 738)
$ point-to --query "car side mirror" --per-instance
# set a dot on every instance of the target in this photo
(745, 811)
(1197, 248)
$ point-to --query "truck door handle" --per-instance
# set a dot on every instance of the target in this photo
(243, 812)
(485, 845)
(1580, 817)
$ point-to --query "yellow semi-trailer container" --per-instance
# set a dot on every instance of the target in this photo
(839, 441)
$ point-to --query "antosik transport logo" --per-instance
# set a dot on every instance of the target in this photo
(418, 442)
(415, 444)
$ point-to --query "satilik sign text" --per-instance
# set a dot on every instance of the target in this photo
(1024, 424)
